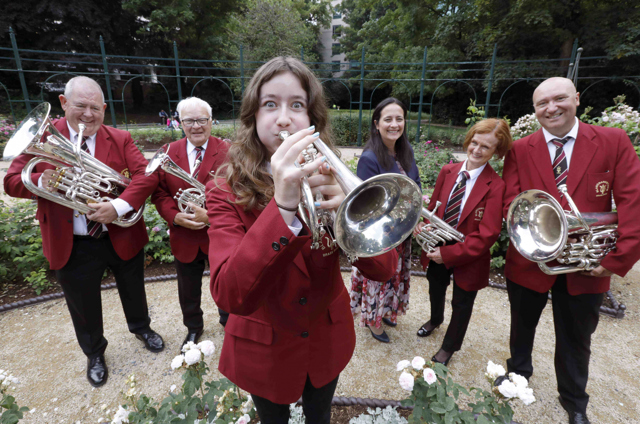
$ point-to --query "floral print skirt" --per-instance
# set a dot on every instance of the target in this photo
(375, 299)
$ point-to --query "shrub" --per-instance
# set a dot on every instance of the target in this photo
(10, 412)
(158, 247)
(388, 415)
(430, 159)
(7, 127)
(157, 136)
(345, 129)
(224, 132)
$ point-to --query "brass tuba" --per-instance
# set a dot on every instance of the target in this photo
(437, 231)
(540, 230)
(195, 194)
(376, 216)
(82, 178)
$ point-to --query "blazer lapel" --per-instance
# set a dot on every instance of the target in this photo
(539, 154)
(449, 182)
(208, 161)
(583, 152)
(480, 188)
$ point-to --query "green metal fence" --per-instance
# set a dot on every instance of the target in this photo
(43, 68)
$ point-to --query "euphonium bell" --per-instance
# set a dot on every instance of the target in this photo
(540, 230)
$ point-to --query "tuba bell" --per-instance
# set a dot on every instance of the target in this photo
(376, 215)
(540, 230)
(82, 178)
(195, 194)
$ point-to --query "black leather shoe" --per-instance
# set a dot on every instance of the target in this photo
(389, 323)
(152, 340)
(423, 332)
(192, 336)
(574, 416)
(384, 338)
(97, 372)
(445, 362)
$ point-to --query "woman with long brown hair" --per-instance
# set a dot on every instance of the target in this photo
(290, 332)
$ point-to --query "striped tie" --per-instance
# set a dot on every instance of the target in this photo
(452, 212)
(94, 228)
(198, 162)
(560, 171)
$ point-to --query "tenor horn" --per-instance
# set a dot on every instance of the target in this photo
(541, 231)
(376, 215)
(436, 231)
(195, 194)
(82, 179)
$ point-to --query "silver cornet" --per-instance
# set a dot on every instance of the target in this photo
(195, 194)
(82, 178)
(436, 231)
(376, 215)
(540, 230)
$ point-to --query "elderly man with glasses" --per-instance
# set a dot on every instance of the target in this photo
(200, 155)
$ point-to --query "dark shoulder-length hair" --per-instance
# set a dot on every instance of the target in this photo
(244, 170)
(403, 151)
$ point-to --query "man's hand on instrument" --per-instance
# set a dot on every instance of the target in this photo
(188, 220)
(419, 228)
(103, 212)
(435, 256)
(49, 177)
(325, 183)
(200, 213)
(600, 271)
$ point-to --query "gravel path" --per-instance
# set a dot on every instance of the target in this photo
(39, 347)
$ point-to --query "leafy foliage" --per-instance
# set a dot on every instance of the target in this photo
(345, 129)
(158, 247)
(388, 415)
(430, 158)
(10, 412)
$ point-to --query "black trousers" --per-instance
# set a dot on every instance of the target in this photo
(575, 319)
(80, 279)
(316, 404)
(190, 292)
(462, 305)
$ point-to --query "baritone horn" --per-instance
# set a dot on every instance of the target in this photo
(540, 230)
(376, 215)
(436, 231)
(194, 194)
(82, 179)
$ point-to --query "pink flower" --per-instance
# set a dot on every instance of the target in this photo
(155, 229)
(437, 150)
(451, 161)
(167, 232)
(429, 141)
(406, 381)
(425, 198)
(429, 376)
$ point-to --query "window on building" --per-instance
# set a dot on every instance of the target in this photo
(337, 30)
(335, 49)
(337, 15)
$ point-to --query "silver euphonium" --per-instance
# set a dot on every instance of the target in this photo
(82, 179)
(540, 230)
(195, 194)
(376, 215)
(436, 231)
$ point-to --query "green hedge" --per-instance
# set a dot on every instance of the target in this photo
(345, 129)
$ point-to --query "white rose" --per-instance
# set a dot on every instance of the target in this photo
(207, 347)
(526, 395)
(177, 362)
(508, 389)
(189, 346)
(248, 405)
(518, 380)
(429, 376)
(406, 381)
(244, 419)
(418, 362)
(494, 370)
(402, 365)
(605, 118)
(172, 388)
(192, 356)
(121, 416)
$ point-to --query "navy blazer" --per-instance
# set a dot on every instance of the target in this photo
(368, 166)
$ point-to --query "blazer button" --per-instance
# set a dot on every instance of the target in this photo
(303, 301)
(275, 245)
(305, 334)
(284, 241)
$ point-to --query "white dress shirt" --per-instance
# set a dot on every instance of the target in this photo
(473, 176)
(192, 153)
(568, 146)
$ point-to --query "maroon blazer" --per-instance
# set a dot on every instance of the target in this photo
(480, 222)
(290, 314)
(114, 148)
(185, 243)
(603, 163)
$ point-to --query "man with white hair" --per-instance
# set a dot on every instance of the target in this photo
(80, 248)
(595, 163)
(199, 154)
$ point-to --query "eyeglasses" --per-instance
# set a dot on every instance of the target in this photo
(190, 122)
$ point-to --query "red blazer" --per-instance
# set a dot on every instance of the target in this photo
(603, 158)
(290, 314)
(185, 243)
(480, 222)
(114, 148)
